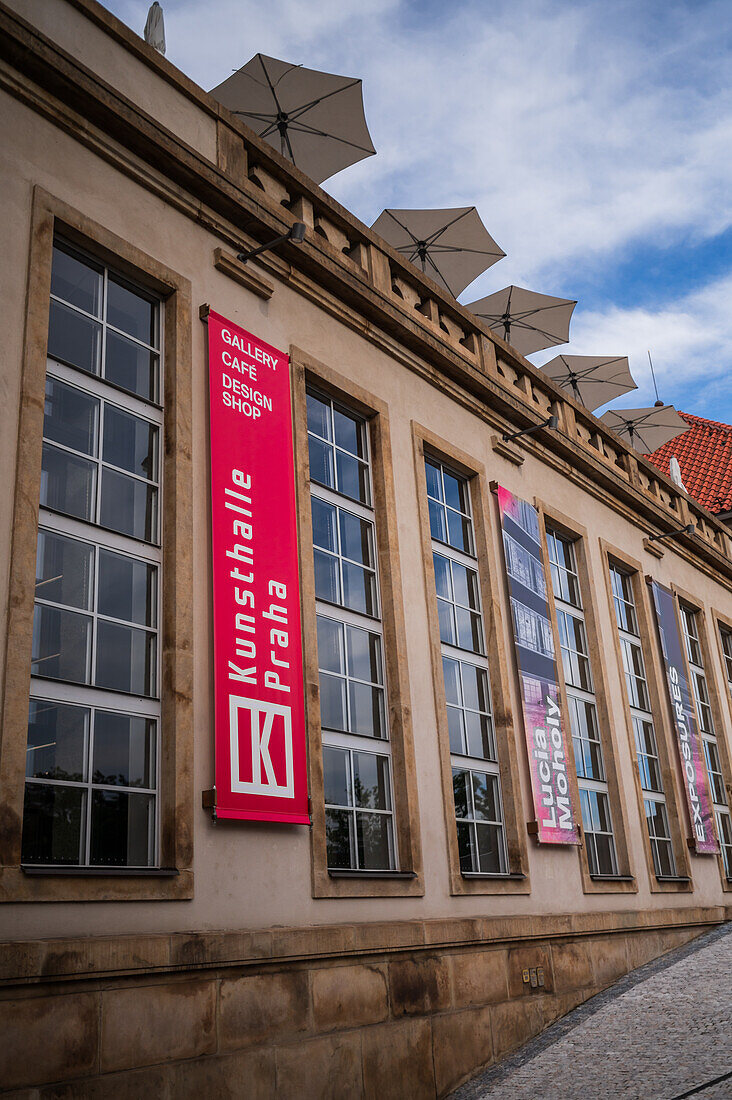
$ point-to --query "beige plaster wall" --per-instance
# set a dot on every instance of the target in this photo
(257, 875)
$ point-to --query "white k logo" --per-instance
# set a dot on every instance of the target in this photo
(261, 760)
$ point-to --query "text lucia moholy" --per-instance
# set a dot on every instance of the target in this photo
(549, 753)
(245, 621)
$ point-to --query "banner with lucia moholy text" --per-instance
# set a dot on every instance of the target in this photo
(534, 643)
(258, 676)
(696, 783)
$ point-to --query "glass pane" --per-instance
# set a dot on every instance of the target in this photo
(443, 579)
(130, 443)
(124, 750)
(460, 792)
(359, 589)
(602, 811)
(479, 735)
(434, 481)
(57, 741)
(321, 462)
(318, 416)
(475, 687)
(455, 729)
(64, 570)
(353, 477)
(605, 855)
(332, 702)
(121, 829)
(327, 582)
(76, 281)
(469, 630)
(330, 645)
(70, 417)
(127, 589)
(490, 849)
(125, 659)
(455, 492)
(367, 709)
(336, 777)
(485, 797)
(349, 432)
(458, 532)
(446, 618)
(451, 671)
(131, 312)
(371, 781)
(364, 655)
(468, 859)
(356, 539)
(52, 824)
(132, 367)
(325, 532)
(339, 839)
(438, 523)
(73, 338)
(466, 586)
(129, 506)
(373, 837)
(61, 644)
(665, 857)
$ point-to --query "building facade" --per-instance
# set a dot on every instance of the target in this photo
(417, 929)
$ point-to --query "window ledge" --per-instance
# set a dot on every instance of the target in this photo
(612, 878)
(101, 872)
(348, 873)
(673, 878)
(510, 876)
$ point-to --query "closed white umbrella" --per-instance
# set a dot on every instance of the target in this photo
(646, 429)
(453, 246)
(526, 320)
(592, 379)
(314, 119)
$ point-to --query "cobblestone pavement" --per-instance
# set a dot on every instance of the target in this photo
(661, 1033)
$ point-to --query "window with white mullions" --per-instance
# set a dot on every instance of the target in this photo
(644, 733)
(583, 720)
(92, 760)
(359, 810)
(700, 689)
(473, 753)
(726, 639)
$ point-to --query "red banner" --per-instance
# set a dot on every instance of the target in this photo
(258, 676)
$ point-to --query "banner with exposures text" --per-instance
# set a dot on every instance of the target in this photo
(258, 674)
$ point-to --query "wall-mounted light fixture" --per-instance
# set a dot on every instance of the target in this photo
(550, 422)
(688, 530)
(296, 234)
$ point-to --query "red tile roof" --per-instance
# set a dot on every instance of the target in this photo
(704, 454)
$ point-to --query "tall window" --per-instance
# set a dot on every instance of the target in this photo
(700, 688)
(726, 639)
(588, 756)
(356, 751)
(644, 733)
(475, 772)
(93, 724)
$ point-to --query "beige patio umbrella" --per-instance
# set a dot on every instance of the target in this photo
(526, 320)
(314, 119)
(646, 429)
(591, 379)
(452, 246)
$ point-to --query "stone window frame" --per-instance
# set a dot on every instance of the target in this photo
(659, 709)
(173, 879)
(721, 727)
(625, 881)
(427, 444)
(408, 881)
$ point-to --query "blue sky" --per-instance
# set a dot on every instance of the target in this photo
(594, 137)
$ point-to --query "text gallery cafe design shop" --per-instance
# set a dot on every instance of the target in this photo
(95, 751)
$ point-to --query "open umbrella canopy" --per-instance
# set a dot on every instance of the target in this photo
(591, 379)
(646, 429)
(526, 320)
(314, 119)
(453, 247)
